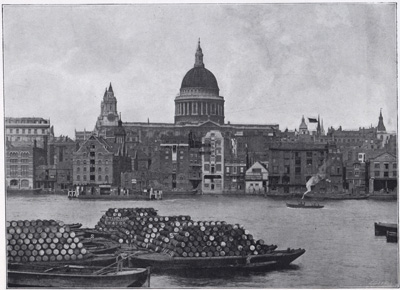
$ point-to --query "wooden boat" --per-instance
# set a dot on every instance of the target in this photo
(100, 246)
(161, 262)
(73, 276)
(392, 237)
(74, 226)
(336, 196)
(304, 205)
(382, 228)
(18, 191)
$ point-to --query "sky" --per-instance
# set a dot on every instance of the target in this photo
(274, 63)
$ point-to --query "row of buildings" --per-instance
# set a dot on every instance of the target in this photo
(199, 151)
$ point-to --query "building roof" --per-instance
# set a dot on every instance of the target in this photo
(199, 76)
(298, 146)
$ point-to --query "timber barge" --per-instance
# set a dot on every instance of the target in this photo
(136, 238)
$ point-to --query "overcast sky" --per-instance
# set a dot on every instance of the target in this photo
(273, 63)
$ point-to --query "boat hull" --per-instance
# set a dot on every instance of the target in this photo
(303, 206)
(129, 278)
(392, 237)
(335, 196)
(382, 228)
(160, 262)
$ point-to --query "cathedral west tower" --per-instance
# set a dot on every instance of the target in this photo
(199, 99)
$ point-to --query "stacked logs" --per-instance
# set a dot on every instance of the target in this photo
(180, 235)
(42, 240)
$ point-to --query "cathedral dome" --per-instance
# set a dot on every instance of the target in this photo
(199, 77)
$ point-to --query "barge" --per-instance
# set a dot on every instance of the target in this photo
(161, 262)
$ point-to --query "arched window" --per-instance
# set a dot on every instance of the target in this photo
(99, 161)
(99, 169)
(14, 182)
(99, 178)
(106, 178)
(24, 183)
(78, 169)
(78, 177)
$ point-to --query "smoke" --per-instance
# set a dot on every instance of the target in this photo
(321, 175)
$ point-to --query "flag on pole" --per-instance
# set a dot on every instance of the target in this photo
(312, 120)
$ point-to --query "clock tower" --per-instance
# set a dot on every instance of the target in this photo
(108, 115)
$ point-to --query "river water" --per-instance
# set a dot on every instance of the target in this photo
(341, 248)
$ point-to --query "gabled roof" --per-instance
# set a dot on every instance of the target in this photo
(381, 154)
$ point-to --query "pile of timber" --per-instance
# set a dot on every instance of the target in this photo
(179, 236)
(42, 240)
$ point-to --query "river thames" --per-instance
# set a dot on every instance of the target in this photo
(341, 248)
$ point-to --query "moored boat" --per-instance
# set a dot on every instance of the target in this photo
(73, 276)
(161, 262)
(336, 196)
(391, 237)
(304, 205)
(100, 246)
(382, 228)
(18, 191)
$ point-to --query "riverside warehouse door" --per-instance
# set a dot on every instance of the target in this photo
(385, 184)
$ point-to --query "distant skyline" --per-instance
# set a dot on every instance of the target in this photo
(274, 63)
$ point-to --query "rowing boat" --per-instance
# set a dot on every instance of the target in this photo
(74, 276)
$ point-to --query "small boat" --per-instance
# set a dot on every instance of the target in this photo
(304, 205)
(74, 276)
(74, 226)
(162, 262)
(382, 228)
(392, 237)
(100, 246)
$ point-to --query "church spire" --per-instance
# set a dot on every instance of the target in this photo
(199, 56)
(110, 89)
(381, 126)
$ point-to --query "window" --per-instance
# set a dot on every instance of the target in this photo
(13, 160)
(99, 169)
(78, 177)
(206, 167)
(386, 165)
(241, 169)
(297, 170)
(17, 131)
(219, 168)
(23, 131)
(377, 165)
(13, 170)
(99, 178)
(275, 169)
(377, 173)
(29, 131)
(43, 131)
(24, 170)
(227, 169)
(35, 131)
(106, 169)
(84, 178)
(24, 160)
(394, 173)
(78, 169)
(395, 165)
